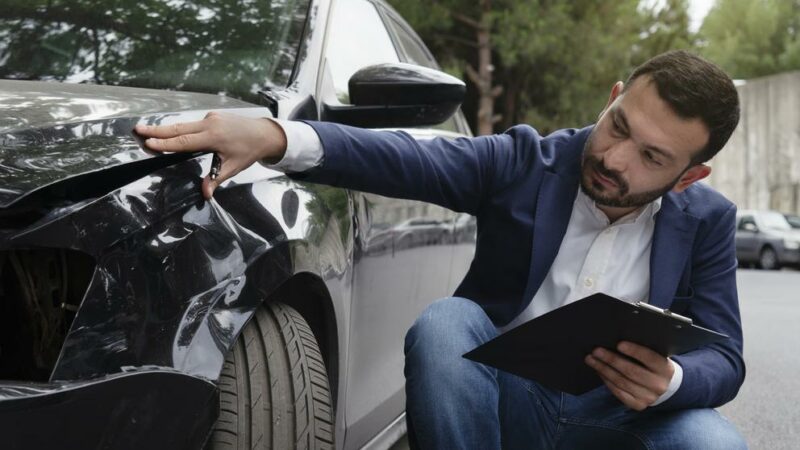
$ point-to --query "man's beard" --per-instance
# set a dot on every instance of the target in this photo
(622, 199)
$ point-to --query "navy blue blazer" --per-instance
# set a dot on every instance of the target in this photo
(521, 188)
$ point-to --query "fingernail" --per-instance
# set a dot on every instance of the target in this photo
(597, 352)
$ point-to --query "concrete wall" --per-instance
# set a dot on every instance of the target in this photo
(760, 166)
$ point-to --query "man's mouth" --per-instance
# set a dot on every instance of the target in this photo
(603, 180)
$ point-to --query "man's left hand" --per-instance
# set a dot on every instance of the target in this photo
(637, 385)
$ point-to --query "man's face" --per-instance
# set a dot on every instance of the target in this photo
(640, 149)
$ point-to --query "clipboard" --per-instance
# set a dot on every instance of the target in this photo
(551, 348)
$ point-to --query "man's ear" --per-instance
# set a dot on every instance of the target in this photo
(616, 90)
(694, 173)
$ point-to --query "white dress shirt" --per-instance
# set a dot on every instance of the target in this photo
(595, 255)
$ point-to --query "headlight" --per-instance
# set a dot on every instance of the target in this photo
(791, 244)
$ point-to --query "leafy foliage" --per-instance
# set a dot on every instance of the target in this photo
(753, 38)
(556, 60)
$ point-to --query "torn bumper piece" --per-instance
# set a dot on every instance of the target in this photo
(152, 409)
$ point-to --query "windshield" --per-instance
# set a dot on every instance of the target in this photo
(230, 47)
(774, 220)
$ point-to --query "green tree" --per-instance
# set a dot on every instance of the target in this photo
(552, 62)
(753, 38)
(665, 27)
(460, 33)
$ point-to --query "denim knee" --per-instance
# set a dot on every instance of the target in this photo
(447, 325)
(704, 429)
(448, 397)
(712, 431)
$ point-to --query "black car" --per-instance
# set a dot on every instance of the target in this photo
(135, 314)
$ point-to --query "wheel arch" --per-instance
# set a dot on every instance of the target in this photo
(307, 293)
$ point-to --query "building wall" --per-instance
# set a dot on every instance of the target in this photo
(759, 168)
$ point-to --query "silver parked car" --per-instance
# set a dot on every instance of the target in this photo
(766, 239)
(793, 220)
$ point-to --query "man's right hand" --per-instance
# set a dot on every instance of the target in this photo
(238, 141)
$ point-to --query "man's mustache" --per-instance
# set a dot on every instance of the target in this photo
(608, 173)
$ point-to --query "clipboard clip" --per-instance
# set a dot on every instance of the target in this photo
(665, 312)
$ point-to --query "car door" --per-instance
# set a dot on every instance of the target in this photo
(402, 258)
(747, 239)
(412, 50)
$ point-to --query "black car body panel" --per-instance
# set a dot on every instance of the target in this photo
(175, 277)
(144, 409)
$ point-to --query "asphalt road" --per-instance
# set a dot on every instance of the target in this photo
(767, 410)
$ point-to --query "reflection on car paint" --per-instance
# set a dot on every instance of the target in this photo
(63, 104)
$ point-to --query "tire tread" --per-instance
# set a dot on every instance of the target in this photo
(274, 391)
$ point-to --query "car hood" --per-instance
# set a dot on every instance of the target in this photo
(783, 234)
(54, 132)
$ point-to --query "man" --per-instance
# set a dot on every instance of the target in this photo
(612, 208)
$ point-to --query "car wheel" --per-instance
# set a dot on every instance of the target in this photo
(274, 390)
(768, 259)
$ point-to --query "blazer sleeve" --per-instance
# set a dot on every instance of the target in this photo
(713, 374)
(455, 173)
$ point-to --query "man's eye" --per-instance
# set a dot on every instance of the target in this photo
(651, 157)
(617, 129)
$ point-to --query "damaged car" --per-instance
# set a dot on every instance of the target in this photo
(135, 314)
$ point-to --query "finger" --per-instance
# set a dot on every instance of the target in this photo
(170, 131)
(629, 369)
(619, 380)
(626, 398)
(182, 143)
(208, 187)
(226, 171)
(648, 357)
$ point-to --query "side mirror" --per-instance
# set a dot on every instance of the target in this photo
(398, 95)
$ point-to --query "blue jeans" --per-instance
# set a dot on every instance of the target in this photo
(456, 403)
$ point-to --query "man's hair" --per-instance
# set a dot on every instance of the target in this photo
(695, 88)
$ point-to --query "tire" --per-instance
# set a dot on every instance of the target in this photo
(768, 259)
(274, 390)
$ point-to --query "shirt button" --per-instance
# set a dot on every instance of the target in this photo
(588, 282)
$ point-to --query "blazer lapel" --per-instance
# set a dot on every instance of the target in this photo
(672, 243)
(553, 210)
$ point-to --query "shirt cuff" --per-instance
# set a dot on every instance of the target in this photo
(674, 383)
(303, 147)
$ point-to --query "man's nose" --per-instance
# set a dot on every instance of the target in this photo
(617, 156)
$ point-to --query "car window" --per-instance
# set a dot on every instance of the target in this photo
(774, 220)
(746, 220)
(411, 46)
(357, 39)
(412, 50)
